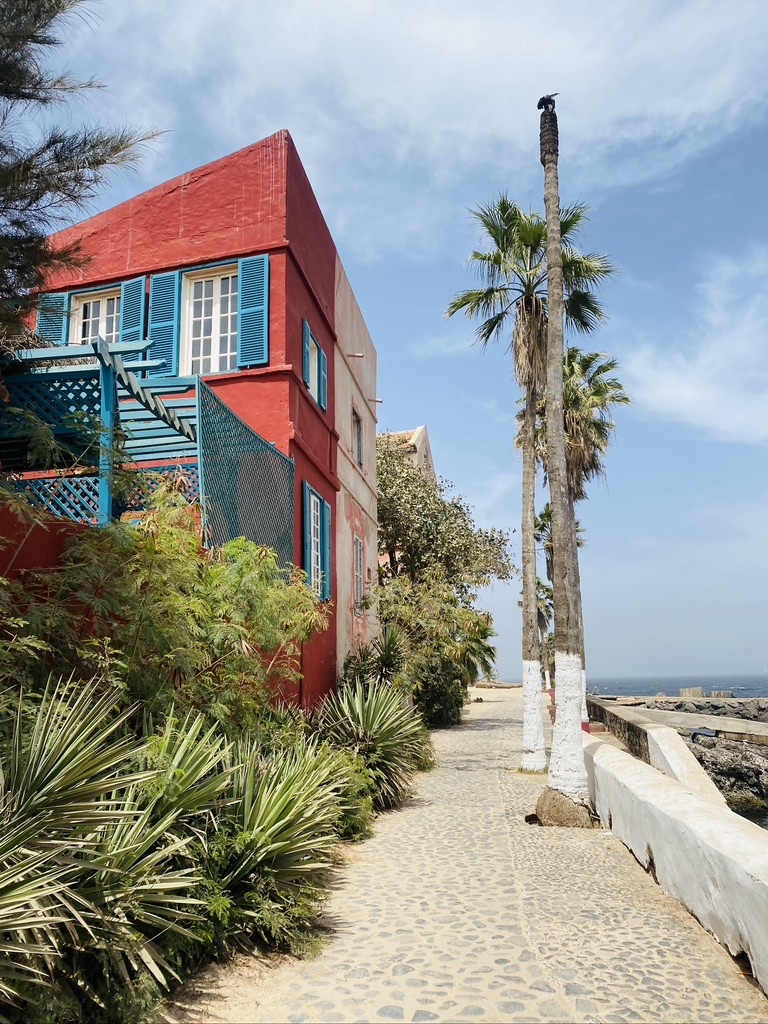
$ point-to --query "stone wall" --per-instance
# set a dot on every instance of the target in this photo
(711, 860)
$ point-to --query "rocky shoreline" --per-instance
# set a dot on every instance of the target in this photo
(738, 769)
(754, 709)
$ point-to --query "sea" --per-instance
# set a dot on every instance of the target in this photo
(670, 686)
(650, 686)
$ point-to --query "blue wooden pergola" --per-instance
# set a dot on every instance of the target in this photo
(106, 387)
(246, 486)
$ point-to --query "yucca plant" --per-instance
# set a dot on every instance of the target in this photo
(287, 805)
(266, 859)
(376, 724)
(96, 873)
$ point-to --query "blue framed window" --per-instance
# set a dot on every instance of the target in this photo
(318, 543)
(315, 368)
(112, 312)
(211, 319)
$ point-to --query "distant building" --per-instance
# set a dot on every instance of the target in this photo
(231, 271)
(416, 444)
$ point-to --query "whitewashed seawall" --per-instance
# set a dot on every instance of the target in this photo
(712, 860)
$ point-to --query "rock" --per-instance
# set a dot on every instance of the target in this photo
(687, 692)
(554, 808)
(739, 770)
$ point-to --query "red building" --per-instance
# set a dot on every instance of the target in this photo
(231, 271)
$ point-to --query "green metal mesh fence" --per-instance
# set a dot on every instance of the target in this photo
(246, 483)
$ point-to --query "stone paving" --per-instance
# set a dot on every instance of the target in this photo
(456, 910)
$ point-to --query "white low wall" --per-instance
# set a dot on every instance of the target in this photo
(712, 860)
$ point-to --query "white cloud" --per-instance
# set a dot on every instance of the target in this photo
(715, 378)
(440, 348)
(394, 105)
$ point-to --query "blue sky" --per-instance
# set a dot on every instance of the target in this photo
(406, 115)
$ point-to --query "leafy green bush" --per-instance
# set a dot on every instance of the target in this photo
(357, 813)
(380, 728)
(439, 694)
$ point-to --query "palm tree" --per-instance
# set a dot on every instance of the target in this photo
(589, 395)
(567, 783)
(473, 651)
(513, 302)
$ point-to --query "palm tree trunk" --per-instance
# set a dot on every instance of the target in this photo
(567, 772)
(534, 757)
(584, 711)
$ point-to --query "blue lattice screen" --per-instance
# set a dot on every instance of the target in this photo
(73, 497)
(57, 398)
(152, 478)
(248, 485)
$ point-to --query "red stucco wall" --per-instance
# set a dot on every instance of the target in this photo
(28, 547)
(231, 207)
(254, 201)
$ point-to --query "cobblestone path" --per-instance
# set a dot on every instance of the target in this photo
(456, 910)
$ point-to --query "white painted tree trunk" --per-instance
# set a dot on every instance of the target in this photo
(547, 679)
(567, 772)
(584, 710)
(534, 756)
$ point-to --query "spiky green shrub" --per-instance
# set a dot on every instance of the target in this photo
(376, 724)
(103, 874)
(264, 864)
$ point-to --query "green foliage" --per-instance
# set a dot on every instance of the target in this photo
(123, 860)
(437, 559)
(423, 528)
(448, 644)
(147, 610)
(357, 796)
(47, 172)
(439, 694)
(72, 797)
(381, 661)
(376, 724)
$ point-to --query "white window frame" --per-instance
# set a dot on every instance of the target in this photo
(82, 299)
(315, 567)
(359, 566)
(187, 320)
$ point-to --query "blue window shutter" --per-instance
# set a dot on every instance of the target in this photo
(327, 555)
(307, 533)
(307, 343)
(253, 312)
(133, 302)
(322, 391)
(164, 323)
(53, 318)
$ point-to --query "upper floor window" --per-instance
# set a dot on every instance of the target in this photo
(114, 314)
(202, 320)
(95, 315)
(315, 368)
(357, 438)
(209, 322)
(206, 320)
